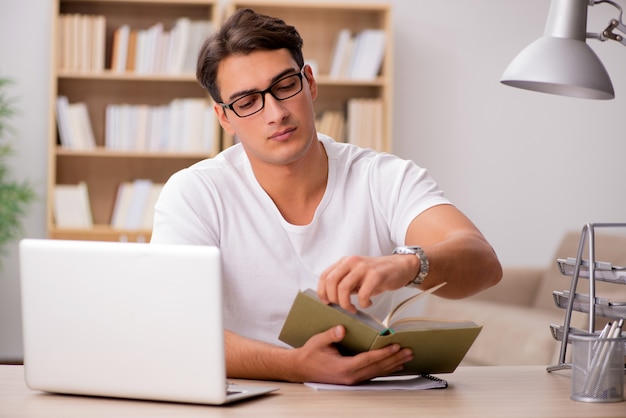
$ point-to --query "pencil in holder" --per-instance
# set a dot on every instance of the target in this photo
(597, 368)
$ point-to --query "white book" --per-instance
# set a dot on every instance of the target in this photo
(138, 202)
(148, 216)
(63, 121)
(158, 128)
(356, 122)
(193, 121)
(84, 43)
(161, 53)
(342, 49)
(120, 48)
(377, 125)
(99, 43)
(149, 55)
(140, 52)
(122, 203)
(62, 52)
(369, 53)
(176, 127)
(199, 31)
(125, 136)
(76, 127)
(141, 114)
(74, 38)
(71, 206)
(111, 126)
(179, 41)
(87, 139)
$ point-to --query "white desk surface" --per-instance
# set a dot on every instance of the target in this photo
(481, 392)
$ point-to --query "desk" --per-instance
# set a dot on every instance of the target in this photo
(481, 392)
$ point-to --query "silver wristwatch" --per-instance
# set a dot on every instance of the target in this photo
(423, 272)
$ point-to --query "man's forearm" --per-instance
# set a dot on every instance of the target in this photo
(250, 359)
(467, 263)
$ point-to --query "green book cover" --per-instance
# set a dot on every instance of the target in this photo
(438, 345)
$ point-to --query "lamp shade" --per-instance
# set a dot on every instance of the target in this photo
(561, 62)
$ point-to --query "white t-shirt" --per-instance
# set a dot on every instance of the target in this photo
(369, 202)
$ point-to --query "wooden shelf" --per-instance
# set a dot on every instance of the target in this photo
(100, 233)
(103, 169)
(101, 152)
(113, 76)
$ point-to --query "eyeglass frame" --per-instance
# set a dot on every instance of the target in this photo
(299, 74)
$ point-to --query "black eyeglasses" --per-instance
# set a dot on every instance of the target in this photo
(252, 103)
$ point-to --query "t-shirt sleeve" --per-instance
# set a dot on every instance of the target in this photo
(177, 217)
(405, 190)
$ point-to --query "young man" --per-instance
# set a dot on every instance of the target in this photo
(292, 209)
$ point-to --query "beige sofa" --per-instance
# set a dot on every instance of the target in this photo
(517, 313)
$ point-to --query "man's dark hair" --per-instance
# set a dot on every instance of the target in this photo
(245, 31)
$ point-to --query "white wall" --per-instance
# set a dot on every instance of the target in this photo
(526, 167)
(24, 57)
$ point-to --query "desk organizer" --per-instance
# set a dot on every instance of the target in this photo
(593, 271)
(597, 369)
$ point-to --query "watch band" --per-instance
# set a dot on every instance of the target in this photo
(424, 265)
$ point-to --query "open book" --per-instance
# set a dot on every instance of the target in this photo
(438, 345)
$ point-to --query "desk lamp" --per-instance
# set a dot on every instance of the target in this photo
(561, 62)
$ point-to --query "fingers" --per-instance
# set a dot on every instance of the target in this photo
(323, 363)
(337, 283)
(330, 336)
(341, 280)
(322, 290)
(381, 362)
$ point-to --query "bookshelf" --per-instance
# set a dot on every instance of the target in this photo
(320, 25)
(99, 82)
(82, 72)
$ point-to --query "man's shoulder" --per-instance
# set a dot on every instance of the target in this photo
(218, 169)
(226, 159)
(346, 151)
(353, 157)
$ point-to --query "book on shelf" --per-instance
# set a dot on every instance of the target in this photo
(341, 52)
(438, 345)
(71, 207)
(134, 204)
(369, 50)
(74, 125)
(360, 56)
(332, 123)
(119, 52)
(131, 55)
(183, 125)
(157, 50)
(63, 121)
(365, 122)
(81, 42)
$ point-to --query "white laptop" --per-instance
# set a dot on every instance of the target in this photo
(125, 320)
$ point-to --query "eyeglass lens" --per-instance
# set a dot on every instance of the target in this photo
(281, 90)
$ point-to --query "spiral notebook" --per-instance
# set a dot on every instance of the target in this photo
(421, 382)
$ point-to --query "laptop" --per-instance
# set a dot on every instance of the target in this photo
(125, 320)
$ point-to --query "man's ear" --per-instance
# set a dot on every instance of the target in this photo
(220, 112)
(310, 78)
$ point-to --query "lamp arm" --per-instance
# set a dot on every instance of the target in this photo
(614, 24)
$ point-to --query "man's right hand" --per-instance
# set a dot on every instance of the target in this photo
(320, 361)
(316, 361)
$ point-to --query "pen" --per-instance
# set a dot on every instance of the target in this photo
(601, 359)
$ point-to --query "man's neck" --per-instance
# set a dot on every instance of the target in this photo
(298, 188)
